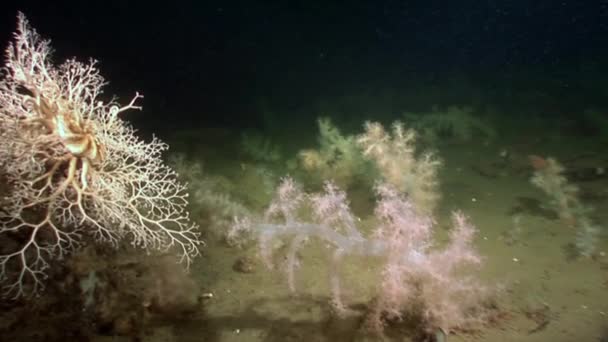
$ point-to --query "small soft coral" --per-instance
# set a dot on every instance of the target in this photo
(394, 154)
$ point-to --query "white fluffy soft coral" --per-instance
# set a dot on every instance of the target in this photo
(394, 153)
(75, 167)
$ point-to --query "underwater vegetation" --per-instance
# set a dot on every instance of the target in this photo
(417, 278)
(76, 178)
(336, 158)
(549, 177)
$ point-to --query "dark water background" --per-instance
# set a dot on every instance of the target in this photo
(231, 63)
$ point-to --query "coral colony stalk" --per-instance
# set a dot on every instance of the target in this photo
(75, 168)
(413, 272)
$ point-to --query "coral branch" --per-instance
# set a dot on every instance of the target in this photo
(413, 272)
(75, 168)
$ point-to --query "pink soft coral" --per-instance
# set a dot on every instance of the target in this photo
(416, 278)
(426, 282)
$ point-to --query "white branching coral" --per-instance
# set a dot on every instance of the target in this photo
(74, 168)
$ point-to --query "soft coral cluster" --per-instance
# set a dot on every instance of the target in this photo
(549, 176)
(74, 168)
(418, 280)
(416, 277)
